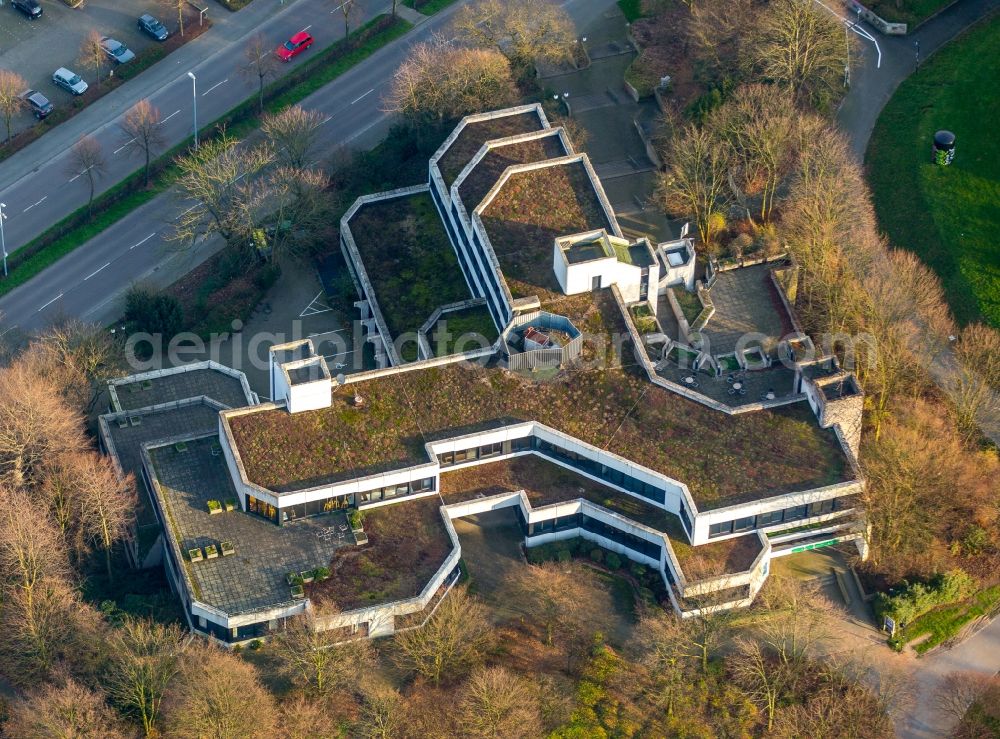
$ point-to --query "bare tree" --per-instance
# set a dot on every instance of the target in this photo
(36, 424)
(439, 81)
(107, 503)
(295, 200)
(12, 86)
(30, 549)
(497, 703)
(349, 9)
(975, 384)
(960, 690)
(66, 710)
(802, 46)
(764, 679)
(293, 133)
(212, 177)
(795, 619)
(261, 64)
(666, 646)
(86, 158)
(305, 718)
(179, 6)
(211, 697)
(382, 714)
(315, 661)
(141, 130)
(524, 31)
(695, 181)
(92, 54)
(145, 658)
(452, 641)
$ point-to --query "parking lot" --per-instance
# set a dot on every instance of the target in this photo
(35, 49)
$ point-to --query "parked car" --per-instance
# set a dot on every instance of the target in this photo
(30, 8)
(37, 103)
(149, 24)
(117, 51)
(69, 81)
(294, 46)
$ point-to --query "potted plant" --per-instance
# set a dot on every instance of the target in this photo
(228, 548)
(292, 578)
(356, 520)
(298, 592)
(321, 573)
(194, 554)
(214, 507)
(211, 552)
(230, 504)
(306, 576)
(181, 446)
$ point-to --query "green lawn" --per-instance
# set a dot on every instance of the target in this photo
(945, 622)
(949, 216)
(910, 12)
(427, 7)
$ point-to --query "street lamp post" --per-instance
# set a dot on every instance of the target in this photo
(3, 244)
(194, 103)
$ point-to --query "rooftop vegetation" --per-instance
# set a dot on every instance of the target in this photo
(409, 260)
(407, 543)
(485, 174)
(473, 322)
(474, 135)
(723, 459)
(529, 212)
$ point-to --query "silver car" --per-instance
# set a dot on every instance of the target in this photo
(118, 52)
(69, 81)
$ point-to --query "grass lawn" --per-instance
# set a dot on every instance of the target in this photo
(948, 215)
(470, 323)
(428, 7)
(912, 12)
(945, 622)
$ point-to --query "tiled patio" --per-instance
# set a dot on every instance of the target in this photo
(219, 386)
(254, 577)
(746, 301)
(778, 380)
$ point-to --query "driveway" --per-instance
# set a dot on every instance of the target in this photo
(35, 49)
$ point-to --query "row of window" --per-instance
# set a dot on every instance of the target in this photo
(600, 528)
(397, 491)
(772, 518)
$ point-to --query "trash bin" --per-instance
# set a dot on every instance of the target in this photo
(944, 148)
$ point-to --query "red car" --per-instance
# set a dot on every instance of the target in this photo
(294, 46)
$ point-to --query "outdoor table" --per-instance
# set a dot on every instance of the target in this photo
(769, 396)
(737, 385)
(689, 379)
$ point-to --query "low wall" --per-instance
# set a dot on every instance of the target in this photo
(878, 23)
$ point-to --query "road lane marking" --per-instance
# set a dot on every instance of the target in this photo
(169, 117)
(187, 211)
(306, 28)
(96, 271)
(214, 86)
(362, 97)
(127, 143)
(45, 197)
(49, 303)
(339, 7)
(326, 120)
(143, 241)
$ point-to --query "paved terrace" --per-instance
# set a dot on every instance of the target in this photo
(254, 577)
(219, 386)
(546, 483)
(477, 133)
(746, 301)
(195, 419)
(612, 405)
(761, 386)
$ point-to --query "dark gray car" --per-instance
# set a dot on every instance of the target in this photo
(117, 51)
(30, 8)
(38, 103)
(148, 24)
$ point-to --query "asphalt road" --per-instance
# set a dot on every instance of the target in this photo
(36, 184)
(90, 282)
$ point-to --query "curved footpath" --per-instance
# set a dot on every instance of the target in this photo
(870, 90)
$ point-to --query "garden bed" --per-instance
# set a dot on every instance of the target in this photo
(479, 181)
(529, 212)
(475, 321)
(409, 260)
(407, 544)
(477, 133)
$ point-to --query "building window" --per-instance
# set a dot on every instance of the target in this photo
(447, 459)
(743, 524)
(769, 519)
(720, 529)
(520, 445)
(491, 450)
(797, 513)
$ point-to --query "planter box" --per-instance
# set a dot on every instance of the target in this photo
(298, 592)
(211, 552)
(360, 537)
(306, 576)
(230, 504)
(195, 554)
(228, 548)
(292, 578)
(214, 507)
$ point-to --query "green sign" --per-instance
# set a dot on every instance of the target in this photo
(817, 545)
